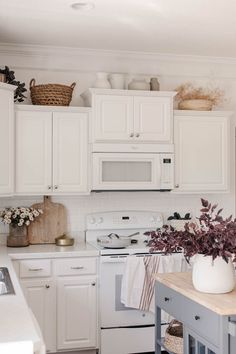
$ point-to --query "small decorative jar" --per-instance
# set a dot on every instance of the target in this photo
(117, 81)
(139, 84)
(154, 84)
(18, 236)
(102, 81)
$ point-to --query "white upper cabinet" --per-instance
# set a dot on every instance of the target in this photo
(33, 152)
(51, 151)
(122, 116)
(6, 138)
(70, 141)
(113, 118)
(202, 151)
(153, 119)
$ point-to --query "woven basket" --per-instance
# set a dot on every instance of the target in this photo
(174, 337)
(51, 94)
(196, 105)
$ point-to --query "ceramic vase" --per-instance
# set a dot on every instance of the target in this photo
(214, 277)
(117, 81)
(139, 84)
(18, 236)
(102, 81)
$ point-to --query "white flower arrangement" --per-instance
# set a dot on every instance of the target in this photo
(19, 216)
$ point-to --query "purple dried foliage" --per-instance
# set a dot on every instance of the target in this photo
(214, 236)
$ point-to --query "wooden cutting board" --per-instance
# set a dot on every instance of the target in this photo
(51, 224)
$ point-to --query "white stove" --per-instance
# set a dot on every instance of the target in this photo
(132, 329)
(122, 223)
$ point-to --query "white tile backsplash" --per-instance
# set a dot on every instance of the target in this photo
(79, 206)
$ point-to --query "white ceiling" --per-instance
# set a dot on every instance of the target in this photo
(195, 27)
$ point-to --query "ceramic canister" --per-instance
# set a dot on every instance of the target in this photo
(102, 81)
(117, 81)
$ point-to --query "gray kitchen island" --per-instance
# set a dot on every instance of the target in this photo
(209, 320)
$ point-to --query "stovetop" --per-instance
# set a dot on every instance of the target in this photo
(140, 247)
(123, 223)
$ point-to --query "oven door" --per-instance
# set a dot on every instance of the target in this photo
(133, 171)
(113, 312)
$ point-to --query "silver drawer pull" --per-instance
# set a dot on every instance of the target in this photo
(79, 267)
(35, 269)
(197, 318)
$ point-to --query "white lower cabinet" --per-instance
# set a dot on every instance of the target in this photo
(40, 295)
(64, 301)
(76, 312)
(202, 151)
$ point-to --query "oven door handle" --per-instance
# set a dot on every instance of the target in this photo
(116, 259)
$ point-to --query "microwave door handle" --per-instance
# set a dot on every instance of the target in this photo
(158, 171)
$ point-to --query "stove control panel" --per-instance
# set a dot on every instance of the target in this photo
(124, 220)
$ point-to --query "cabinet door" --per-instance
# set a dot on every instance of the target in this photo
(202, 152)
(70, 154)
(33, 152)
(77, 313)
(194, 344)
(6, 139)
(40, 295)
(113, 118)
(153, 119)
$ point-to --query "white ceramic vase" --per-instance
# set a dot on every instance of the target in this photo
(139, 84)
(215, 277)
(102, 81)
(117, 81)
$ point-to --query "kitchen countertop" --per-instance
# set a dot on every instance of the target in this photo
(80, 249)
(222, 304)
(17, 326)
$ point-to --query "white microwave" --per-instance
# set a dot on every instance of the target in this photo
(132, 171)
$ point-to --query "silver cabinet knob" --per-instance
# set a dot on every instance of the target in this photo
(132, 135)
(93, 284)
(55, 187)
(177, 186)
(137, 135)
(49, 187)
(47, 286)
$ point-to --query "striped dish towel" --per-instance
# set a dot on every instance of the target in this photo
(151, 264)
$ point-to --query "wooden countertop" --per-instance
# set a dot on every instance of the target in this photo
(222, 304)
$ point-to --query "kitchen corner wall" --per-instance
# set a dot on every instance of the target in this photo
(66, 65)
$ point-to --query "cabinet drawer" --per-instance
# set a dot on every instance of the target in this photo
(204, 322)
(75, 266)
(35, 268)
(197, 317)
(167, 300)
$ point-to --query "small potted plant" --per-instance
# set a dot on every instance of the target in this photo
(198, 98)
(18, 219)
(212, 244)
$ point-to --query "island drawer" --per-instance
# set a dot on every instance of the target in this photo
(167, 300)
(75, 266)
(32, 268)
(193, 315)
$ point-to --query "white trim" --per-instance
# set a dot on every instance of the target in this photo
(25, 107)
(35, 50)
(4, 86)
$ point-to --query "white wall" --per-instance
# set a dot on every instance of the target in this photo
(60, 65)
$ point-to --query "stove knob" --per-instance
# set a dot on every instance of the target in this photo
(100, 220)
(153, 219)
(92, 220)
(158, 218)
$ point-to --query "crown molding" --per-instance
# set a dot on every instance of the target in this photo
(92, 60)
(47, 51)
